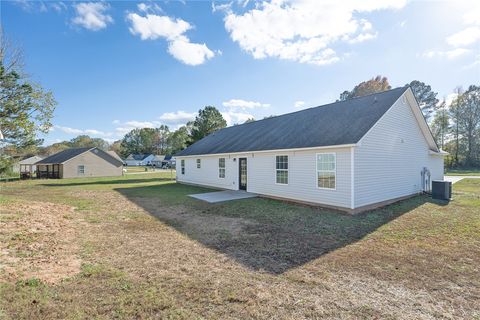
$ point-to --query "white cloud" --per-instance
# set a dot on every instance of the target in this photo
(58, 6)
(189, 53)
(90, 132)
(449, 54)
(303, 31)
(299, 104)
(152, 27)
(116, 121)
(233, 117)
(142, 124)
(92, 16)
(465, 37)
(178, 117)
(243, 104)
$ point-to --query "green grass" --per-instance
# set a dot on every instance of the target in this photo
(147, 250)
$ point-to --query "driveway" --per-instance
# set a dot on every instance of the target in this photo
(455, 179)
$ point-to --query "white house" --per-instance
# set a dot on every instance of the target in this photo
(139, 159)
(351, 155)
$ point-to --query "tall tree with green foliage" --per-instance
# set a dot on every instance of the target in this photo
(468, 117)
(206, 122)
(85, 141)
(426, 98)
(179, 139)
(441, 125)
(374, 85)
(455, 114)
(139, 141)
(161, 139)
(25, 107)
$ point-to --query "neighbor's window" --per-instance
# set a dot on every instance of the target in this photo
(182, 165)
(326, 170)
(199, 164)
(221, 168)
(281, 166)
(81, 170)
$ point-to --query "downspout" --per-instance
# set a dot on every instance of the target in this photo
(352, 178)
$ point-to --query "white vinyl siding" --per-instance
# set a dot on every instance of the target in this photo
(261, 170)
(302, 177)
(281, 168)
(210, 172)
(390, 157)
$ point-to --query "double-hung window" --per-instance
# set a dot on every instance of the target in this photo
(81, 170)
(326, 170)
(281, 167)
(221, 168)
(182, 165)
(199, 163)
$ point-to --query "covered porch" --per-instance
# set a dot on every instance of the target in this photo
(49, 171)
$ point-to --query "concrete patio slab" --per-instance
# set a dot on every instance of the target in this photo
(220, 196)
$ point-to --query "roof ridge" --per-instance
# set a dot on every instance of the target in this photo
(320, 106)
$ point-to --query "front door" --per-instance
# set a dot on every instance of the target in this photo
(242, 165)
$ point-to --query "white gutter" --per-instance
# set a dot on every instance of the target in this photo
(266, 151)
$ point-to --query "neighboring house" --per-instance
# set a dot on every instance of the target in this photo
(157, 161)
(115, 155)
(139, 159)
(78, 163)
(351, 155)
(168, 162)
(27, 166)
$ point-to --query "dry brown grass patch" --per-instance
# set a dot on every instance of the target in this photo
(37, 242)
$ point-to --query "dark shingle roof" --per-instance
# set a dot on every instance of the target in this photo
(138, 157)
(338, 123)
(64, 155)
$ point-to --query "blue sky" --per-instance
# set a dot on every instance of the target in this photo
(114, 66)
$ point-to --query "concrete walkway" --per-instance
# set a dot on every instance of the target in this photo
(455, 179)
(220, 196)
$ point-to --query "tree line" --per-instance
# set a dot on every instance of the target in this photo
(26, 109)
(455, 127)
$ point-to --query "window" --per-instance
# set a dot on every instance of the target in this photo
(182, 165)
(326, 170)
(199, 164)
(281, 167)
(81, 170)
(221, 168)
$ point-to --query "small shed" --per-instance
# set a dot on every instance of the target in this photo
(27, 166)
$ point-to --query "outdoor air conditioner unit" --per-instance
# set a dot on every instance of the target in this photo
(441, 190)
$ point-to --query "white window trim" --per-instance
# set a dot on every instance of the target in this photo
(275, 169)
(182, 166)
(199, 163)
(316, 172)
(224, 168)
(78, 170)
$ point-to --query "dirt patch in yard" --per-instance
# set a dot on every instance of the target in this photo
(37, 240)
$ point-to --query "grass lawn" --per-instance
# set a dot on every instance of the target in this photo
(463, 172)
(137, 168)
(138, 247)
